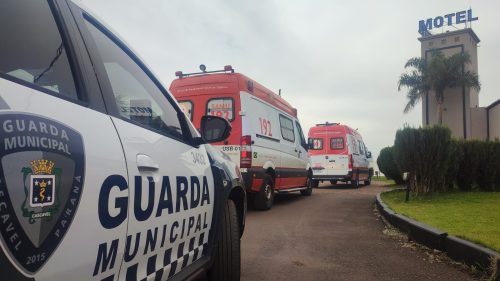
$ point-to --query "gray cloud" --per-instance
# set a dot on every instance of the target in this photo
(336, 61)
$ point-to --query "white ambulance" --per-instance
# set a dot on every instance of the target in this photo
(267, 139)
(102, 177)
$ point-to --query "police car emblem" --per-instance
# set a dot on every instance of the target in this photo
(41, 181)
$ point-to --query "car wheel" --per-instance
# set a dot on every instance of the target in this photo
(333, 182)
(227, 259)
(308, 191)
(263, 200)
(368, 182)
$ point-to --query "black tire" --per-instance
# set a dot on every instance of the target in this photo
(309, 190)
(368, 181)
(315, 183)
(333, 182)
(227, 259)
(263, 200)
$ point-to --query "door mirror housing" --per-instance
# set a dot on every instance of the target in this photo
(368, 154)
(214, 128)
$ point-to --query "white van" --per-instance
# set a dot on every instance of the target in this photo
(338, 153)
(267, 139)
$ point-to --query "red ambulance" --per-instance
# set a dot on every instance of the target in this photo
(338, 153)
(266, 140)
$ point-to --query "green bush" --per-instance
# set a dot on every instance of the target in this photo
(468, 166)
(489, 165)
(425, 153)
(388, 166)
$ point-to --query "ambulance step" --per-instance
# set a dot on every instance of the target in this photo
(291, 190)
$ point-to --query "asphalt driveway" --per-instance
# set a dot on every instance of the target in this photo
(333, 235)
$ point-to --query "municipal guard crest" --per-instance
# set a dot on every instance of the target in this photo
(41, 192)
(42, 171)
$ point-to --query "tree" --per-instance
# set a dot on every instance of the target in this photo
(437, 73)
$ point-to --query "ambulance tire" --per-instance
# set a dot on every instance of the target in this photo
(368, 181)
(315, 183)
(309, 190)
(333, 182)
(263, 200)
(227, 259)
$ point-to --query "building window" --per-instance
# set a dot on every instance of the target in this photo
(457, 39)
(443, 41)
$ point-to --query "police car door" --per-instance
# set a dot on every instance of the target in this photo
(170, 182)
(57, 148)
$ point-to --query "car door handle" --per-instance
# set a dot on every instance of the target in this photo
(144, 162)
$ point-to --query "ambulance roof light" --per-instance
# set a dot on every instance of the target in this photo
(328, 124)
(203, 69)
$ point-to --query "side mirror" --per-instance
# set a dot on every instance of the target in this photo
(214, 129)
(368, 154)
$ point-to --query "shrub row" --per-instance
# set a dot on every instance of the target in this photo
(436, 162)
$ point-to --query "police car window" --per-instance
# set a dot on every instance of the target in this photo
(136, 95)
(287, 131)
(32, 49)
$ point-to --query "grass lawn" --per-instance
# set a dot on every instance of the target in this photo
(474, 216)
(383, 179)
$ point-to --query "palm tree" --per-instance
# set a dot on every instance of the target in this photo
(438, 73)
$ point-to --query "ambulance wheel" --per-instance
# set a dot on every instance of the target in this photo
(368, 181)
(263, 200)
(315, 183)
(309, 190)
(333, 182)
(355, 183)
(227, 259)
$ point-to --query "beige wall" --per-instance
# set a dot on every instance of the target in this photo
(494, 121)
(479, 128)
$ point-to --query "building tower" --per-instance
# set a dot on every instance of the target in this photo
(460, 107)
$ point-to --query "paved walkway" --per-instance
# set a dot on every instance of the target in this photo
(332, 235)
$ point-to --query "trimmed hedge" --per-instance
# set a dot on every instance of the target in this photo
(436, 162)
(388, 166)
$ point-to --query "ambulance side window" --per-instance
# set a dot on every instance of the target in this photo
(361, 149)
(137, 97)
(303, 142)
(287, 131)
(32, 49)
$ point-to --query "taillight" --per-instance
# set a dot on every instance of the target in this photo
(246, 152)
(350, 161)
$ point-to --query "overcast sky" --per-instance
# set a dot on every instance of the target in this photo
(336, 61)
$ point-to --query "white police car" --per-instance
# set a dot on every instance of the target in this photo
(101, 175)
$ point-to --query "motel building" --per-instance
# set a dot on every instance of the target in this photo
(461, 110)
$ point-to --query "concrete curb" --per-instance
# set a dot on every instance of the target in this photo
(456, 248)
